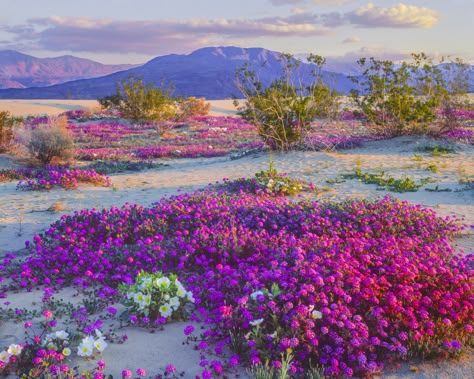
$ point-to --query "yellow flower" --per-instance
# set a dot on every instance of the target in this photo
(66, 352)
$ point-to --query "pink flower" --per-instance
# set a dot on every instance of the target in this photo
(47, 313)
(141, 372)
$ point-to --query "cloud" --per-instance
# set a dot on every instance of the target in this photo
(287, 2)
(316, 2)
(151, 37)
(352, 39)
(347, 63)
(95, 35)
(398, 16)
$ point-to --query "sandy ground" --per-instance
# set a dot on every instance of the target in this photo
(55, 107)
(24, 214)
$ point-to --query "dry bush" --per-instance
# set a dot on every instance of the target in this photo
(6, 130)
(191, 106)
(50, 141)
(57, 207)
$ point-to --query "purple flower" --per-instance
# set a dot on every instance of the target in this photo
(189, 329)
(133, 319)
(170, 369)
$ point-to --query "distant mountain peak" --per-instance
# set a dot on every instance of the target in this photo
(18, 70)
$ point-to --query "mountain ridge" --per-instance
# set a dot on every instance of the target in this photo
(207, 72)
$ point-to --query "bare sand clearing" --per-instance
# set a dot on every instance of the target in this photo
(55, 107)
(23, 214)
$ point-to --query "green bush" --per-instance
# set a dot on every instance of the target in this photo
(140, 102)
(283, 111)
(50, 141)
(414, 97)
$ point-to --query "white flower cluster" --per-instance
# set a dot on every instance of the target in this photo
(157, 294)
(13, 349)
(57, 340)
(89, 345)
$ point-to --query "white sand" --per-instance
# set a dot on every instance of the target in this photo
(55, 107)
(23, 214)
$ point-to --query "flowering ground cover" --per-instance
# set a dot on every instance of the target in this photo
(102, 136)
(196, 137)
(349, 286)
(50, 176)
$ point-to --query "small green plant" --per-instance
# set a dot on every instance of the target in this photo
(274, 182)
(467, 182)
(155, 296)
(438, 150)
(417, 158)
(437, 189)
(315, 373)
(113, 167)
(387, 183)
(433, 168)
(279, 370)
(336, 180)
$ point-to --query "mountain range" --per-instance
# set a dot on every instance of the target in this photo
(19, 70)
(208, 72)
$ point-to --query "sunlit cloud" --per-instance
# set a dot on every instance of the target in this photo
(99, 35)
(398, 16)
(352, 39)
(316, 2)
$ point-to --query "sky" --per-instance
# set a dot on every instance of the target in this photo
(135, 31)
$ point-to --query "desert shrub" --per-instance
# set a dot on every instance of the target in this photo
(6, 130)
(140, 102)
(283, 111)
(454, 102)
(413, 97)
(50, 141)
(191, 106)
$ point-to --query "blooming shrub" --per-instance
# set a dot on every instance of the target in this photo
(48, 177)
(155, 295)
(347, 286)
(274, 182)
